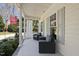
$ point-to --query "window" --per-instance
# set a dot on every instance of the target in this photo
(53, 23)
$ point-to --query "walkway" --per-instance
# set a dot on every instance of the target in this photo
(30, 48)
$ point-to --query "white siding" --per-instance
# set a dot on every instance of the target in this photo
(71, 27)
(53, 9)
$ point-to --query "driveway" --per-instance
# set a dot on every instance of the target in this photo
(6, 36)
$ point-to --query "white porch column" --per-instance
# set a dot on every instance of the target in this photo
(20, 31)
(24, 28)
(20, 27)
(29, 29)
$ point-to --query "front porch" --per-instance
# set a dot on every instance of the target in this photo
(27, 45)
(30, 47)
(61, 20)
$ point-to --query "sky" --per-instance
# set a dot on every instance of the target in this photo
(11, 10)
(16, 13)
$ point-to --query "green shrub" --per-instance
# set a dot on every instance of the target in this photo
(17, 38)
(8, 47)
(1, 24)
(0, 42)
(4, 40)
(1, 30)
(17, 30)
(12, 28)
(14, 44)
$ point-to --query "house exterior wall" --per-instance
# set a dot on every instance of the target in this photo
(53, 9)
(71, 27)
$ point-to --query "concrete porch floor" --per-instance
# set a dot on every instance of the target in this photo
(30, 48)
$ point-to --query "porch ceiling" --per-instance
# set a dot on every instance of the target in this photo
(35, 9)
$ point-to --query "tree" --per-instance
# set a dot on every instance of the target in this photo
(1, 23)
(35, 25)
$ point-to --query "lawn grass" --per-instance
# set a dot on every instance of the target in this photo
(5, 33)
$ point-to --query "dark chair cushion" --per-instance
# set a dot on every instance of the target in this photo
(35, 36)
(46, 47)
(42, 38)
